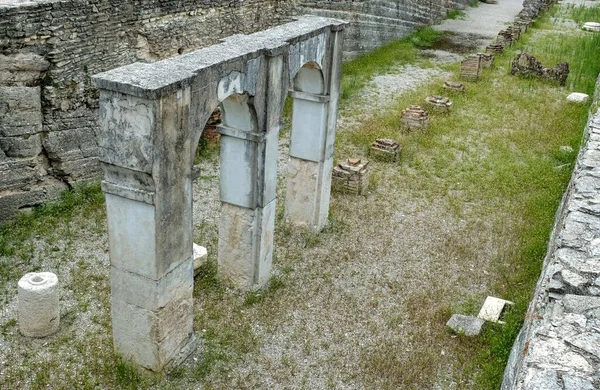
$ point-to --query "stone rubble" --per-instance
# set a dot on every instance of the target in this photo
(385, 149)
(559, 345)
(492, 309)
(200, 256)
(528, 66)
(351, 176)
(414, 117)
(439, 103)
(454, 87)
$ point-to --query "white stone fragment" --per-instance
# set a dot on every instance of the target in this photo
(591, 26)
(492, 309)
(200, 256)
(578, 97)
(38, 307)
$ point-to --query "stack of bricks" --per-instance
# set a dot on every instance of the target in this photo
(487, 60)
(515, 31)
(505, 38)
(495, 48)
(439, 103)
(470, 68)
(385, 149)
(210, 132)
(454, 87)
(414, 117)
(351, 176)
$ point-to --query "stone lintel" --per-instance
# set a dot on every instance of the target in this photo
(241, 134)
(151, 81)
(309, 96)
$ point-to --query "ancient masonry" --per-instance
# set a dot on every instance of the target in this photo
(559, 344)
(151, 119)
(50, 49)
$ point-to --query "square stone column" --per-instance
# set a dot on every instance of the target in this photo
(147, 183)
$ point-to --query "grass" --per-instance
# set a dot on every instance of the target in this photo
(499, 152)
(358, 72)
(456, 14)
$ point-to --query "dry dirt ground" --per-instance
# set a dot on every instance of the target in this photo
(366, 298)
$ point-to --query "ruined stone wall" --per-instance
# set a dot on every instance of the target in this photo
(49, 50)
(376, 22)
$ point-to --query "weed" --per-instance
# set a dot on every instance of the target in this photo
(456, 14)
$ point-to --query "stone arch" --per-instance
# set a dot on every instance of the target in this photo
(309, 78)
(151, 119)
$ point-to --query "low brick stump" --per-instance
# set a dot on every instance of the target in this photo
(351, 176)
(414, 117)
(454, 87)
(495, 48)
(470, 68)
(385, 149)
(439, 103)
(487, 60)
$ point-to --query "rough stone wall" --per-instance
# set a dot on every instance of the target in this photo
(376, 22)
(49, 50)
(559, 344)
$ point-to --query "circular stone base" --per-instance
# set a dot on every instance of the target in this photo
(591, 26)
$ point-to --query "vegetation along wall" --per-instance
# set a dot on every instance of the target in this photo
(49, 50)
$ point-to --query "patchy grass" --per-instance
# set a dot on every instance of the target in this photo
(358, 72)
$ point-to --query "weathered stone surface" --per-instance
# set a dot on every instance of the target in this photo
(467, 325)
(492, 309)
(588, 342)
(580, 304)
(20, 111)
(200, 257)
(571, 382)
(541, 379)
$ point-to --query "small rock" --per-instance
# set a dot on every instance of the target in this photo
(468, 325)
(556, 286)
(588, 342)
(577, 97)
(492, 309)
(576, 383)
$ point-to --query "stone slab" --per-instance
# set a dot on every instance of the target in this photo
(492, 309)
(467, 325)
(577, 97)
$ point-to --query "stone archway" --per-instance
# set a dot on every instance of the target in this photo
(151, 118)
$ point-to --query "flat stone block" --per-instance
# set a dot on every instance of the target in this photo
(577, 97)
(468, 325)
(588, 342)
(538, 379)
(149, 293)
(492, 309)
(580, 304)
(152, 338)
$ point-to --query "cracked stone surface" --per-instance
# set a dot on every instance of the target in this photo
(559, 345)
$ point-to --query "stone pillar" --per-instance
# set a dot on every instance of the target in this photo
(146, 161)
(311, 148)
(248, 189)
